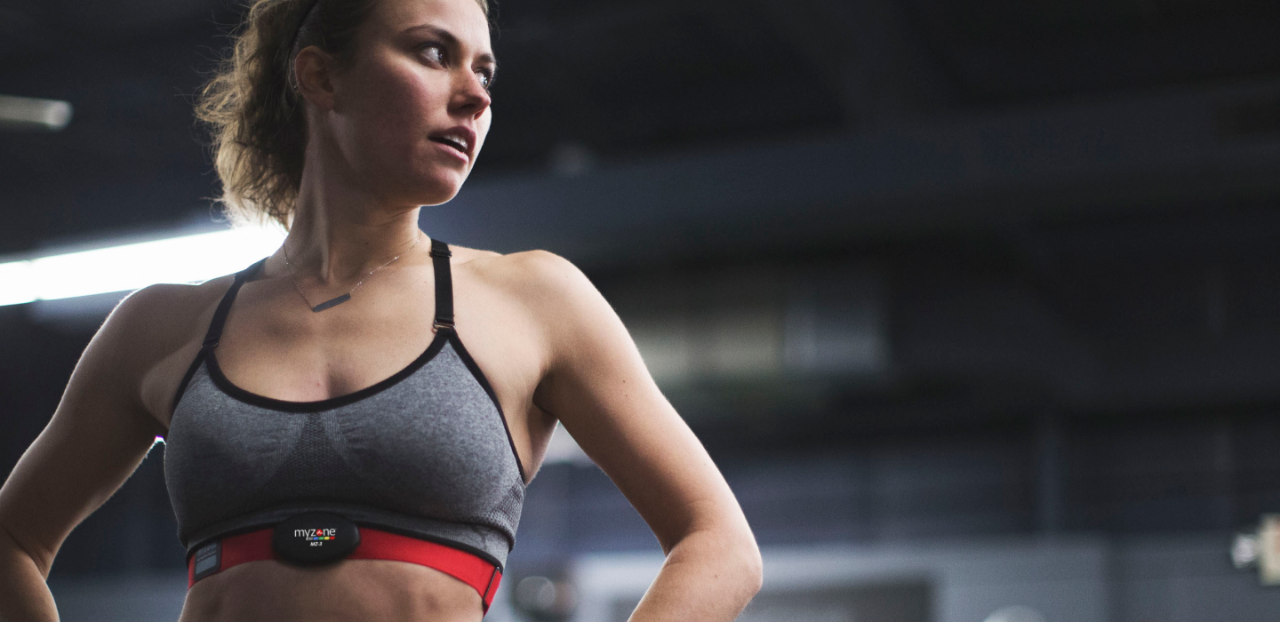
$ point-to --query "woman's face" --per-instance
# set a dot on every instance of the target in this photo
(411, 114)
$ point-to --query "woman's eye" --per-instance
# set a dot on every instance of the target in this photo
(434, 53)
(486, 78)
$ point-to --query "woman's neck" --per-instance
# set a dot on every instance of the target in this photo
(339, 239)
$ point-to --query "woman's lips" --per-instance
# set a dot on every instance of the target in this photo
(458, 139)
(451, 149)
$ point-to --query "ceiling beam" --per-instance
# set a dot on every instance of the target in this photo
(1159, 151)
(873, 56)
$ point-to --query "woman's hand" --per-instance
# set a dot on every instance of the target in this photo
(599, 388)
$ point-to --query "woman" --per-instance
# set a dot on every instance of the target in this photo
(299, 390)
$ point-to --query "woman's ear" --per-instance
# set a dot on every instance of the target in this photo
(313, 69)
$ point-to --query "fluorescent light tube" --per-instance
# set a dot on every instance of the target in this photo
(28, 113)
(185, 259)
(16, 283)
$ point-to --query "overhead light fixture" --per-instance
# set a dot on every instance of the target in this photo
(25, 113)
(126, 267)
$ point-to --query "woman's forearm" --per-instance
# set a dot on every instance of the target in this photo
(24, 595)
(708, 576)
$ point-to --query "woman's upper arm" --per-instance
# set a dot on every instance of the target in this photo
(98, 435)
(599, 388)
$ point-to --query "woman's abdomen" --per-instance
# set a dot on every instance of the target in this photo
(349, 591)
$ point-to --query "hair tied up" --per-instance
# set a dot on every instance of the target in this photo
(256, 120)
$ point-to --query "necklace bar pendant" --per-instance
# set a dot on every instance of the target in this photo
(329, 304)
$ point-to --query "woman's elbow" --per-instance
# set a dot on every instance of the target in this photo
(731, 555)
(747, 565)
(752, 568)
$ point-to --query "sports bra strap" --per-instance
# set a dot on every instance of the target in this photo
(224, 307)
(440, 255)
(215, 328)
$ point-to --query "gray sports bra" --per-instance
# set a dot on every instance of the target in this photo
(425, 453)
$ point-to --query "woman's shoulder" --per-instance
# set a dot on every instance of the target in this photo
(159, 308)
(155, 321)
(531, 275)
(549, 287)
(130, 354)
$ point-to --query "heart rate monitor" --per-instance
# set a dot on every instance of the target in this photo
(315, 538)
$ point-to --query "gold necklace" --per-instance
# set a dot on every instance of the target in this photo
(333, 302)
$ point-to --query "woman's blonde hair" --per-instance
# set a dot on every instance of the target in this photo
(254, 113)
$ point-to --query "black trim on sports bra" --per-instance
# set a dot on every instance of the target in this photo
(484, 384)
(249, 397)
(215, 328)
(443, 324)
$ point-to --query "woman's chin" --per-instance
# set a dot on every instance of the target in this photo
(438, 195)
(433, 189)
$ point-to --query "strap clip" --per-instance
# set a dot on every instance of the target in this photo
(443, 323)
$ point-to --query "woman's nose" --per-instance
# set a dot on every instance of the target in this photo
(470, 95)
